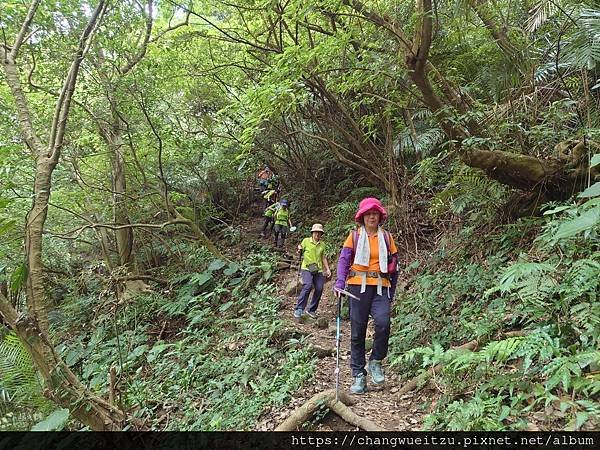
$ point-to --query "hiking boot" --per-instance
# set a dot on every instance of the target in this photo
(312, 315)
(374, 368)
(297, 314)
(360, 384)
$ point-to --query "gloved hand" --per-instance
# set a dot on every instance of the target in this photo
(338, 286)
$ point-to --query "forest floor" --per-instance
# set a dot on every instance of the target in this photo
(380, 404)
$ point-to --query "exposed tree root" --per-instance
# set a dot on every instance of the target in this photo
(420, 379)
(327, 398)
(349, 416)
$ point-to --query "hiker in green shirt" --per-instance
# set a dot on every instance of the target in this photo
(269, 219)
(270, 197)
(283, 223)
(314, 263)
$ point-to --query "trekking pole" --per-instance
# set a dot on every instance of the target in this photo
(337, 347)
(338, 337)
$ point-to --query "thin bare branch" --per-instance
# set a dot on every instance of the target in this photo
(63, 104)
(23, 31)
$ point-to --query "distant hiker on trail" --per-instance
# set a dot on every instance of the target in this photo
(283, 223)
(270, 197)
(314, 264)
(273, 182)
(269, 216)
(263, 177)
(368, 266)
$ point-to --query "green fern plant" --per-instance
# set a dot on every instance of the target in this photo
(482, 412)
(468, 191)
(564, 369)
(21, 398)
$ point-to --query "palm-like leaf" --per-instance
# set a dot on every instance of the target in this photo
(540, 13)
(20, 388)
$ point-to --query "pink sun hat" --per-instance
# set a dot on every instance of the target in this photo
(367, 204)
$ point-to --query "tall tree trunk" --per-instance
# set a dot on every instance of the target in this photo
(124, 236)
(36, 218)
(62, 386)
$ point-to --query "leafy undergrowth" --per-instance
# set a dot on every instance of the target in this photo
(21, 401)
(202, 355)
(537, 276)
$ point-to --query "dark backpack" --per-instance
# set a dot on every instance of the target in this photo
(392, 260)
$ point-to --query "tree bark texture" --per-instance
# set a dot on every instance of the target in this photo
(124, 236)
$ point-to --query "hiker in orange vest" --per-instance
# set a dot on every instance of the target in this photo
(263, 178)
(367, 266)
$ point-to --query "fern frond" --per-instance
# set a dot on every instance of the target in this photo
(517, 275)
(538, 345)
(502, 350)
(564, 369)
(540, 13)
(582, 280)
(19, 384)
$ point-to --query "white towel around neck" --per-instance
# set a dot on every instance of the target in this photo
(362, 253)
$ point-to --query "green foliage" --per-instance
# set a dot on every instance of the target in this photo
(21, 399)
(478, 413)
(217, 364)
(551, 295)
(468, 192)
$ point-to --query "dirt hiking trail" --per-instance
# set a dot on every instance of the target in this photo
(380, 404)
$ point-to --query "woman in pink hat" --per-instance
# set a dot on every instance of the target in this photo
(368, 268)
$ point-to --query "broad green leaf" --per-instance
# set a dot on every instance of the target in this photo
(156, 351)
(54, 422)
(595, 160)
(504, 413)
(556, 210)
(17, 278)
(231, 269)
(138, 351)
(584, 222)
(236, 281)
(267, 275)
(216, 265)
(201, 278)
(225, 306)
(592, 191)
(580, 419)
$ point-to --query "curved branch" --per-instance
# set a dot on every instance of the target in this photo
(423, 35)
(144, 46)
